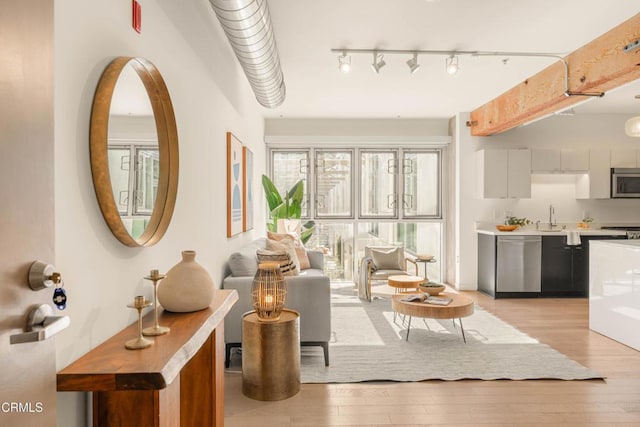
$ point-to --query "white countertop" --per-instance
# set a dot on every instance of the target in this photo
(533, 232)
(633, 244)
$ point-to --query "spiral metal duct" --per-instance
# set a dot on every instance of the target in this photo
(247, 24)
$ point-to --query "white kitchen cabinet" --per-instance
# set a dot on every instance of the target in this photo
(574, 160)
(624, 158)
(559, 160)
(504, 174)
(596, 183)
(492, 174)
(545, 160)
(519, 174)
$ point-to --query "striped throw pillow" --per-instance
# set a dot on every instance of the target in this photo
(287, 266)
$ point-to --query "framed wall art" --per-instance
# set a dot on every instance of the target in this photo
(234, 185)
(248, 190)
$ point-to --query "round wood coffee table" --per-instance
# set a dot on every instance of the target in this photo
(405, 282)
(460, 306)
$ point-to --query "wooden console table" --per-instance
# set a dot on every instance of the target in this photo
(179, 381)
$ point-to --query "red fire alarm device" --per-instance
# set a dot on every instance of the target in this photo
(137, 16)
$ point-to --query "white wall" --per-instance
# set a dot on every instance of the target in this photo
(579, 131)
(210, 95)
(346, 130)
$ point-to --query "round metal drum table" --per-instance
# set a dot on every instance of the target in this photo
(271, 356)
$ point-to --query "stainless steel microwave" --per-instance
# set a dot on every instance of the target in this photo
(625, 183)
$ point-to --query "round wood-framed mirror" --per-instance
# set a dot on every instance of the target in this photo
(134, 151)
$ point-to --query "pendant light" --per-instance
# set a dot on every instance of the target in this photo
(632, 126)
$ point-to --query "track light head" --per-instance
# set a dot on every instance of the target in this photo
(452, 66)
(413, 63)
(344, 63)
(378, 62)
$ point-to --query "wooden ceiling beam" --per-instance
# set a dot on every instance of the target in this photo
(598, 66)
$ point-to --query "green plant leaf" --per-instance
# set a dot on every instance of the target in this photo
(295, 210)
(306, 234)
(297, 192)
(279, 212)
(271, 193)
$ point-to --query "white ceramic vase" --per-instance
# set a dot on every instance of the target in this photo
(187, 287)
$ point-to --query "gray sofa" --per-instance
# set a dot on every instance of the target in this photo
(308, 293)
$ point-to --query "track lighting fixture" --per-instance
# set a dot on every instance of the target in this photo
(344, 63)
(413, 63)
(378, 62)
(452, 65)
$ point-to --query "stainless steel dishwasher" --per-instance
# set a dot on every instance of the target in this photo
(519, 264)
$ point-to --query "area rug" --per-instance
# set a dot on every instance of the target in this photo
(367, 345)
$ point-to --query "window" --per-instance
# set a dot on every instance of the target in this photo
(288, 168)
(395, 200)
(134, 186)
(378, 193)
(421, 172)
(333, 184)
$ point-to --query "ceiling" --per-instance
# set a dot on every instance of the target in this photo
(306, 30)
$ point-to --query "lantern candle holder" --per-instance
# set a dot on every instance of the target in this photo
(268, 291)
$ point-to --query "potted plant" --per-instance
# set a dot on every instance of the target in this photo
(520, 222)
(585, 222)
(512, 223)
(287, 207)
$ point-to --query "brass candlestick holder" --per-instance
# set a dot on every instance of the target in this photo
(141, 342)
(156, 329)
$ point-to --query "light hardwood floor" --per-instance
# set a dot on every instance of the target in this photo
(561, 323)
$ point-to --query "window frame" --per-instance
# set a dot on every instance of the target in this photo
(396, 183)
(314, 196)
(440, 174)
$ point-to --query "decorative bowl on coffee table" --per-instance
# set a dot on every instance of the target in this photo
(432, 288)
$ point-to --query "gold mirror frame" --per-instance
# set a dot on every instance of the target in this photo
(167, 145)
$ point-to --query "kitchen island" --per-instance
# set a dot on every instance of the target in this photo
(614, 290)
(529, 263)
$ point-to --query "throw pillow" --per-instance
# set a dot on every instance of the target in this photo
(287, 267)
(244, 262)
(387, 259)
(288, 246)
(301, 251)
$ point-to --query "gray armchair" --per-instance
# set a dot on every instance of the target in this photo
(378, 264)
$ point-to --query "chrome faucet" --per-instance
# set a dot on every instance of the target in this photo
(552, 221)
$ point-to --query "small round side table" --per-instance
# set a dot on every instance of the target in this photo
(271, 356)
(404, 282)
(426, 262)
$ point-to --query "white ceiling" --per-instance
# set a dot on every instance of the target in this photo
(306, 30)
